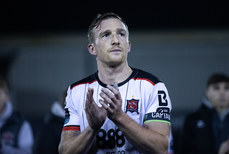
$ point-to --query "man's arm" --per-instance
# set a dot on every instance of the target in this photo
(151, 138)
(73, 142)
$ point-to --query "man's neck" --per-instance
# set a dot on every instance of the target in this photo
(110, 75)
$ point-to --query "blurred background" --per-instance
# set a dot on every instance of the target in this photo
(43, 48)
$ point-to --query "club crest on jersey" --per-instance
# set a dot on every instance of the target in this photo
(132, 105)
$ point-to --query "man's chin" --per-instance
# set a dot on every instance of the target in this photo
(114, 63)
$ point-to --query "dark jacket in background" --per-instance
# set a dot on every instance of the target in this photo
(204, 131)
(16, 134)
(49, 138)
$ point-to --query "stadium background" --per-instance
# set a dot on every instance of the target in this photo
(43, 48)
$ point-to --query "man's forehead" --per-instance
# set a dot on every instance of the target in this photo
(110, 24)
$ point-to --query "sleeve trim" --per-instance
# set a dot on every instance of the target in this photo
(71, 128)
(164, 121)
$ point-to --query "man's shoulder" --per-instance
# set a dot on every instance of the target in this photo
(144, 75)
(89, 79)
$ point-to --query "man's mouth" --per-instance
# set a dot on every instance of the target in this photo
(116, 50)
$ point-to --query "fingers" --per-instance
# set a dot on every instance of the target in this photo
(111, 97)
(112, 93)
(90, 102)
(106, 99)
(89, 98)
(104, 105)
(95, 115)
(90, 92)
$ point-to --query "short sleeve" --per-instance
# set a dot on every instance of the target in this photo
(159, 105)
(71, 121)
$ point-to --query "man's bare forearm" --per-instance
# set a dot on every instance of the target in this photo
(72, 143)
(144, 139)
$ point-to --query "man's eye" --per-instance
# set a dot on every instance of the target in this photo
(122, 34)
(106, 35)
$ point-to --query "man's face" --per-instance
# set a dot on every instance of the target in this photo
(3, 98)
(111, 44)
(218, 95)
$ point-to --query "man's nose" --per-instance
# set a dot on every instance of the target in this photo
(115, 40)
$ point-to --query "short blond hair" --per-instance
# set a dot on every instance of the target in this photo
(96, 22)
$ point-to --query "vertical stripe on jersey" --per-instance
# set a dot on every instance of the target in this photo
(98, 95)
(127, 88)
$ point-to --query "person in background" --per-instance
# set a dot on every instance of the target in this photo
(16, 135)
(49, 138)
(206, 131)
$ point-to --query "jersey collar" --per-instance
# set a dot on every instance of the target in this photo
(119, 84)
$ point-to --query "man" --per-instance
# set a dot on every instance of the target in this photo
(207, 129)
(16, 136)
(118, 109)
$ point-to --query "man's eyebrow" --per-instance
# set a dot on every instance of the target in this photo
(121, 30)
(108, 31)
(104, 32)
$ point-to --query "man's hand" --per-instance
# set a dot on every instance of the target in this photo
(96, 115)
(112, 102)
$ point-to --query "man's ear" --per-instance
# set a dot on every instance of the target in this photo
(91, 49)
(129, 48)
